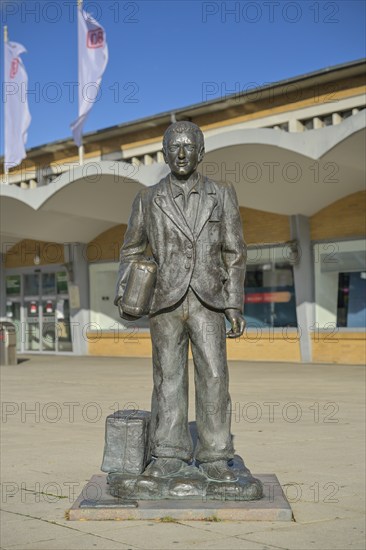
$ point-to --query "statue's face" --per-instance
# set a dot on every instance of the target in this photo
(182, 154)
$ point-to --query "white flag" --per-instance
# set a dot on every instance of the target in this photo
(16, 112)
(93, 59)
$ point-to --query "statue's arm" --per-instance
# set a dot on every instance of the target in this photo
(234, 255)
(134, 245)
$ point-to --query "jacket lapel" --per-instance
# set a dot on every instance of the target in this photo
(207, 203)
(164, 199)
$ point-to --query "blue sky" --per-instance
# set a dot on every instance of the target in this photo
(169, 54)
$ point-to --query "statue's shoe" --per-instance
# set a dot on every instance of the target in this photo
(164, 467)
(217, 471)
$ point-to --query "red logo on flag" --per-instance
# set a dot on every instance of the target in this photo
(14, 67)
(95, 38)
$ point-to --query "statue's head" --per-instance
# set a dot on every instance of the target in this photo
(183, 148)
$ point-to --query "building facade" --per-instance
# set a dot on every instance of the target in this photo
(295, 154)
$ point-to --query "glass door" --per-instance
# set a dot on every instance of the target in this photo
(48, 317)
(46, 312)
(32, 313)
(13, 304)
(62, 312)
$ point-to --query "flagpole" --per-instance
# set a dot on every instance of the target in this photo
(81, 154)
(81, 147)
(6, 169)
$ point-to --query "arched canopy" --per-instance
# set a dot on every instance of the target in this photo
(76, 206)
(290, 173)
(274, 171)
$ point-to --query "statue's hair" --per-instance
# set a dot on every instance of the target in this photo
(179, 128)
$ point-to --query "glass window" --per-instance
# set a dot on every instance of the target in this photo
(31, 284)
(340, 283)
(48, 325)
(13, 314)
(328, 120)
(13, 285)
(269, 288)
(308, 124)
(61, 278)
(351, 306)
(347, 114)
(48, 284)
(270, 296)
(63, 324)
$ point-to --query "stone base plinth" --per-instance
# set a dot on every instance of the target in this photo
(96, 503)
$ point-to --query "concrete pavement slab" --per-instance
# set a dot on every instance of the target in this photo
(176, 535)
(32, 531)
(340, 534)
(72, 542)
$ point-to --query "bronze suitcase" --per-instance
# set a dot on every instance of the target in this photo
(126, 447)
(140, 287)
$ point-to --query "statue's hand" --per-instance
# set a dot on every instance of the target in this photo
(237, 322)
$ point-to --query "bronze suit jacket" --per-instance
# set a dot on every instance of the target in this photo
(211, 258)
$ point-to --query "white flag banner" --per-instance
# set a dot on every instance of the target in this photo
(93, 59)
(16, 111)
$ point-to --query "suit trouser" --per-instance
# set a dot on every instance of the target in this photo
(171, 331)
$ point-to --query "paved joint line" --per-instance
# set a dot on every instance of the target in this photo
(265, 544)
(69, 527)
(60, 497)
(324, 520)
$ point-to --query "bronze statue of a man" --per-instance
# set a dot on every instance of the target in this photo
(193, 229)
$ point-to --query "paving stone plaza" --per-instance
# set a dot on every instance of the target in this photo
(304, 423)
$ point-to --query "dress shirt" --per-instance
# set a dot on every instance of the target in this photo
(186, 196)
